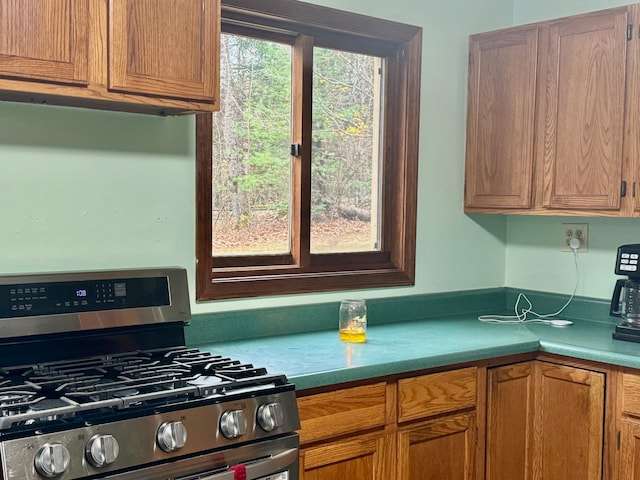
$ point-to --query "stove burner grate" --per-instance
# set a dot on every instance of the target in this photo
(112, 383)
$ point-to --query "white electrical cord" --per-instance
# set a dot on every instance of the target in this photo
(522, 313)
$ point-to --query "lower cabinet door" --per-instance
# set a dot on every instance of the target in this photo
(510, 396)
(440, 449)
(629, 465)
(545, 422)
(568, 423)
(361, 457)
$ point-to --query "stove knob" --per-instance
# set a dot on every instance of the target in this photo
(101, 450)
(270, 416)
(52, 460)
(171, 436)
(233, 423)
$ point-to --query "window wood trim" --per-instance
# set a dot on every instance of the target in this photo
(301, 272)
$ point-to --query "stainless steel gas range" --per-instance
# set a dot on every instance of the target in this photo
(96, 383)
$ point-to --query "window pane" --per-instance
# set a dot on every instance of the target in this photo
(251, 138)
(345, 166)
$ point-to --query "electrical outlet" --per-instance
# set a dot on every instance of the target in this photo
(579, 231)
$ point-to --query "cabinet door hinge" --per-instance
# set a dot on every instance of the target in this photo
(623, 189)
(629, 32)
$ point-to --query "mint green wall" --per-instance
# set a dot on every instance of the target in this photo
(84, 189)
(533, 257)
(527, 11)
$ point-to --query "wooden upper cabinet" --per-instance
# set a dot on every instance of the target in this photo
(552, 124)
(145, 56)
(632, 120)
(500, 118)
(584, 111)
(44, 40)
(164, 47)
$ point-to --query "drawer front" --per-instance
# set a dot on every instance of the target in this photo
(342, 411)
(631, 394)
(437, 393)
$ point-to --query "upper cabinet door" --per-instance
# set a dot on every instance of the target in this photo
(501, 118)
(44, 40)
(164, 47)
(584, 108)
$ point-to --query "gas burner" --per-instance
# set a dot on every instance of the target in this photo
(11, 398)
(125, 392)
(16, 402)
(47, 404)
(48, 410)
(204, 381)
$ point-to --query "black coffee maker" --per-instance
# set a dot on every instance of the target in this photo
(625, 302)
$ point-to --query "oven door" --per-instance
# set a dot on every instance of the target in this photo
(273, 459)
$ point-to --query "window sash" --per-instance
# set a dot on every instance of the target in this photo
(306, 26)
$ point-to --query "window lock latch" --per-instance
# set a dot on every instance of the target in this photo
(295, 149)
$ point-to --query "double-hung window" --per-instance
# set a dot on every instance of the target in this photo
(307, 176)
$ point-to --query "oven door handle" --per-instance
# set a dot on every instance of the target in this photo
(261, 468)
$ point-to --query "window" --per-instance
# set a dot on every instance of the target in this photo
(307, 177)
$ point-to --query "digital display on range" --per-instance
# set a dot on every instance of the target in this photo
(51, 298)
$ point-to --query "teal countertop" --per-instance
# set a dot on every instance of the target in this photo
(319, 358)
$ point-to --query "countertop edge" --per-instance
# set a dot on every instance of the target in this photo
(340, 376)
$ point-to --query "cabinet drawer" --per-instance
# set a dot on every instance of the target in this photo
(342, 411)
(437, 393)
(631, 394)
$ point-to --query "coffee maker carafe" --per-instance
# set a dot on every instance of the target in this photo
(625, 302)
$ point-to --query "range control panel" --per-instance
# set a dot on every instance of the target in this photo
(52, 298)
(628, 260)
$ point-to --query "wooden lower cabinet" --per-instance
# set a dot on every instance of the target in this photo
(421, 427)
(438, 449)
(629, 426)
(629, 468)
(527, 420)
(345, 435)
(361, 457)
(509, 422)
(545, 422)
(568, 423)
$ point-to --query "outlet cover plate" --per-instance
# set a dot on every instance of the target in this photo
(575, 230)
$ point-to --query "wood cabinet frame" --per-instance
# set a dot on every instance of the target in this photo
(392, 410)
(87, 57)
(585, 146)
